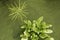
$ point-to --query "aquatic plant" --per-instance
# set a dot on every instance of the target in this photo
(17, 11)
(33, 30)
(36, 29)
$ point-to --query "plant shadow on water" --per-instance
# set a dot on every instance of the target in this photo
(16, 32)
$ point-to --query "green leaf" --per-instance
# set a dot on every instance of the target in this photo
(35, 29)
(25, 21)
(34, 36)
(44, 25)
(26, 34)
(28, 23)
(24, 38)
(39, 21)
(46, 31)
(34, 23)
(43, 35)
(29, 30)
(49, 38)
(24, 26)
(34, 39)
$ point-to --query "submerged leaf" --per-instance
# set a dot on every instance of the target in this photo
(17, 11)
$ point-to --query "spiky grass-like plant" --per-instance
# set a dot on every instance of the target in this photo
(36, 29)
(17, 11)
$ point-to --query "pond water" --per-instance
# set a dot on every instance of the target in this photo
(50, 9)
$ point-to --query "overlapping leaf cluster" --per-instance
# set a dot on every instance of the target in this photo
(36, 29)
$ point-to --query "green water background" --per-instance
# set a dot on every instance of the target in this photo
(50, 9)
